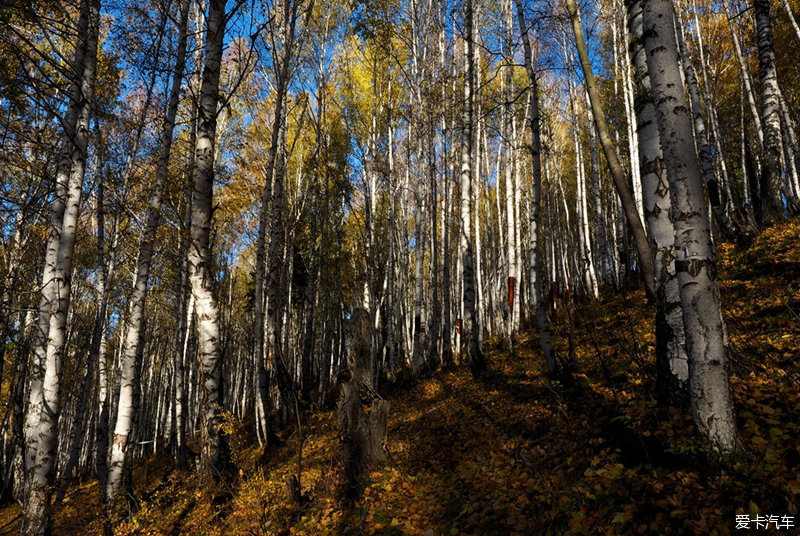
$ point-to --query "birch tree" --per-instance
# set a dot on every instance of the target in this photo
(773, 200)
(470, 324)
(199, 254)
(43, 406)
(511, 216)
(268, 254)
(671, 360)
(703, 146)
(709, 387)
(534, 263)
(629, 206)
(133, 340)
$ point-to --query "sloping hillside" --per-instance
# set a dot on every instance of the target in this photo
(514, 454)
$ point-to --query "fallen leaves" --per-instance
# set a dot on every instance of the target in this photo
(513, 455)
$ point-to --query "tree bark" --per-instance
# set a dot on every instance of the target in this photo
(42, 423)
(199, 255)
(709, 386)
(471, 335)
(772, 201)
(363, 440)
(671, 360)
(534, 259)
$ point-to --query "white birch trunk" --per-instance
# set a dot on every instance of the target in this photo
(42, 423)
(792, 18)
(133, 340)
(703, 146)
(199, 255)
(508, 140)
(534, 214)
(716, 132)
(630, 115)
(671, 359)
(751, 98)
(709, 386)
(470, 326)
(772, 200)
(791, 149)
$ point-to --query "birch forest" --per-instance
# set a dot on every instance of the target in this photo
(503, 267)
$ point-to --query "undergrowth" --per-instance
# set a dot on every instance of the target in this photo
(515, 453)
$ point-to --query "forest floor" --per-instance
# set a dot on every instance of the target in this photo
(514, 454)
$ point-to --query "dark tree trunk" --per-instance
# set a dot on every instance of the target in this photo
(362, 414)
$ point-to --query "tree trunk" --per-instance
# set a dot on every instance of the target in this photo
(772, 201)
(791, 151)
(709, 386)
(95, 346)
(792, 18)
(583, 211)
(134, 336)
(101, 430)
(448, 170)
(11, 279)
(199, 255)
(716, 131)
(183, 316)
(751, 96)
(601, 245)
(671, 360)
(185, 302)
(703, 146)
(267, 209)
(419, 258)
(42, 423)
(511, 244)
(630, 112)
(77, 105)
(435, 334)
(637, 229)
(471, 335)
(363, 439)
(533, 215)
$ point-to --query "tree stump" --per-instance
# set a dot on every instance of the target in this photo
(293, 491)
(362, 414)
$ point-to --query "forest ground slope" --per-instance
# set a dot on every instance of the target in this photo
(513, 453)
